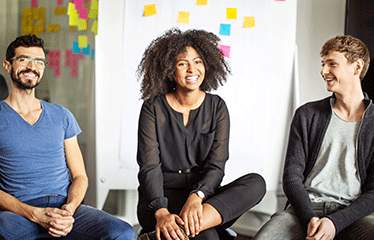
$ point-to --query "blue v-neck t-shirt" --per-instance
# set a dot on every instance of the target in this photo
(32, 157)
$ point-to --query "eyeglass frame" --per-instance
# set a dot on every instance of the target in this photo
(30, 59)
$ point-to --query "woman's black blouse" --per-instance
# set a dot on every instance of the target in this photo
(166, 146)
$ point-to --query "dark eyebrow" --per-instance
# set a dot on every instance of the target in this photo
(26, 56)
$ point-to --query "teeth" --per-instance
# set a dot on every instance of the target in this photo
(192, 78)
(29, 75)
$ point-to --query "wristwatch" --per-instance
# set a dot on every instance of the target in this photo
(200, 194)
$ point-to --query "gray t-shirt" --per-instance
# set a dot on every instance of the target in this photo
(335, 176)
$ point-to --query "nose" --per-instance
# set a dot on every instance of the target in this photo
(324, 70)
(191, 68)
(31, 64)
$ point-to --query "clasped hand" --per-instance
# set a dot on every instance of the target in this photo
(190, 217)
(58, 222)
(320, 229)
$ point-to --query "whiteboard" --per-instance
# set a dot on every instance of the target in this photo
(258, 93)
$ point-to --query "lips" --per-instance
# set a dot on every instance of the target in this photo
(29, 73)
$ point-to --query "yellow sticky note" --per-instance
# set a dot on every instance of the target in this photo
(201, 2)
(73, 19)
(150, 10)
(93, 12)
(95, 27)
(71, 8)
(82, 41)
(249, 22)
(82, 24)
(183, 17)
(231, 13)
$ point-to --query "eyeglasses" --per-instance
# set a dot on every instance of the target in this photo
(26, 60)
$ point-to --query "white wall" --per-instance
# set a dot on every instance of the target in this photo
(317, 22)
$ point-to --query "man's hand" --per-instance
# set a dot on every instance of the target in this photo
(192, 215)
(57, 222)
(167, 224)
(320, 229)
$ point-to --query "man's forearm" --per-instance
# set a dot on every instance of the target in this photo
(77, 191)
(12, 204)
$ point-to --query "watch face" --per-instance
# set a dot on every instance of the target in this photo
(201, 194)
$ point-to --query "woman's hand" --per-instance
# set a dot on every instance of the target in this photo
(167, 224)
(192, 215)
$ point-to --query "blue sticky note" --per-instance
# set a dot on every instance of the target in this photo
(86, 50)
(92, 54)
(225, 29)
(76, 49)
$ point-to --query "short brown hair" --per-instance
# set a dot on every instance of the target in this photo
(353, 47)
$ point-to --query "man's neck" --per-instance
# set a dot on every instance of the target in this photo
(350, 107)
(22, 100)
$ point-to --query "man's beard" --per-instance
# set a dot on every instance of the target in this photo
(24, 85)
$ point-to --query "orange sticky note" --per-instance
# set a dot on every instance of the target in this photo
(249, 22)
(183, 17)
(231, 13)
(150, 10)
(201, 2)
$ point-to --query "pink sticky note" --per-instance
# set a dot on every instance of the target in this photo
(78, 4)
(34, 3)
(83, 13)
(60, 2)
(225, 50)
(72, 60)
(54, 57)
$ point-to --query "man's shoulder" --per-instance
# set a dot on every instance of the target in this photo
(315, 106)
(53, 107)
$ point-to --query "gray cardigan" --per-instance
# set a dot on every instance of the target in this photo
(307, 131)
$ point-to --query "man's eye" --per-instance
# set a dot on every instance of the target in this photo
(22, 60)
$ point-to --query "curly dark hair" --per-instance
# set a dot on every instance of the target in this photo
(353, 47)
(29, 40)
(158, 65)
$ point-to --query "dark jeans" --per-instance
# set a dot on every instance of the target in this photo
(90, 223)
(231, 201)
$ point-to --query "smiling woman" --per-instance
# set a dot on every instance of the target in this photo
(183, 142)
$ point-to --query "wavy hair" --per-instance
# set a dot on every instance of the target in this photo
(157, 67)
(353, 47)
(29, 40)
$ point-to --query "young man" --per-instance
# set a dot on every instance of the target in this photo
(329, 170)
(38, 150)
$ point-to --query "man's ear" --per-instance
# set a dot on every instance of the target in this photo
(7, 66)
(359, 65)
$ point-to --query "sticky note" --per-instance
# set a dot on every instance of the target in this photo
(249, 22)
(60, 11)
(225, 50)
(82, 40)
(72, 60)
(86, 50)
(92, 54)
(53, 28)
(95, 27)
(76, 48)
(72, 28)
(225, 29)
(78, 4)
(183, 17)
(82, 24)
(93, 12)
(34, 3)
(83, 13)
(150, 10)
(231, 13)
(54, 61)
(73, 19)
(60, 2)
(71, 8)
(201, 2)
